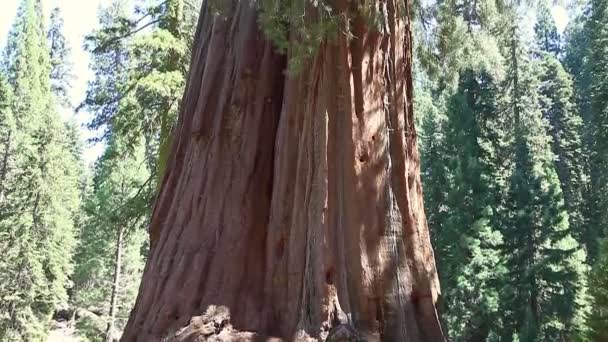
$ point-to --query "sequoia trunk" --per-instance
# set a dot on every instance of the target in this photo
(291, 206)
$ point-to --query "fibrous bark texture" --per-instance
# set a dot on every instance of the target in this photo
(291, 207)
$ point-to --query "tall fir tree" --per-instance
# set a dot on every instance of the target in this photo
(40, 196)
(112, 237)
(598, 286)
(586, 59)
(472, 283)
(462, 148)
(566, 127)
(597, 68)
(140, 61)
(60, 53)
(110, 67)
(547, 36)
(545, 297)
(157, 63)
(566, 130)
(434, 170)
(7, 133)
(577, 60)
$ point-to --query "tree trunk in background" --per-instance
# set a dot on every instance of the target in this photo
(115, 286)
(292, 206)
(4, 167)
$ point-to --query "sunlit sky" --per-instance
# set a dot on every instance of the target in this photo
(561, 17)
(80, 18)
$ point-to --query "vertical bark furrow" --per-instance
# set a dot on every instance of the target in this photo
(291, 205)
(341, 175)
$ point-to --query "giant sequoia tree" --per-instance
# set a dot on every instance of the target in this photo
(291, 205)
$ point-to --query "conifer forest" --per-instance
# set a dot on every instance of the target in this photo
(305, 170)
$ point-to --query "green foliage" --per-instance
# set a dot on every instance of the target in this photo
(61, 66)
(430, 121)
(472, 297)
(566, 129)
(91, 328)
(597, 68)
(504, 174)
(464, 149)
(298, 27)
(117, 200)
(7, 134)
(140, 62)
(546, 265)
(586, 59)
(547, 37)
(140, 74)
(463, 39)
(39, 192)
(598, 285)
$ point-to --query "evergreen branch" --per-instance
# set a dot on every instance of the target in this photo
(101, 48)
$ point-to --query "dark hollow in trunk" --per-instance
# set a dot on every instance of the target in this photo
(292, 205)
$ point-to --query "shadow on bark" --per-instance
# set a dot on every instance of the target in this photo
(291, 205)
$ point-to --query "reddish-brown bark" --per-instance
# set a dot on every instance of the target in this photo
(292, 205)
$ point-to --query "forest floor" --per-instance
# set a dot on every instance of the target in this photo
(62, 332)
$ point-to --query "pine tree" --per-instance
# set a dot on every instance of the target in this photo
(577, 60)
(598, 285)
(61, 66)
(566, 130)
(112, 238)
(565, 126)
(157, 63)
(472, 283)
(546, 266)
(40, 188)
(586, 59)
(7, 134)
(434, 169)
(597, 67)
(547, 37)
(110, 66)
(110, 254)
(462, 144)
